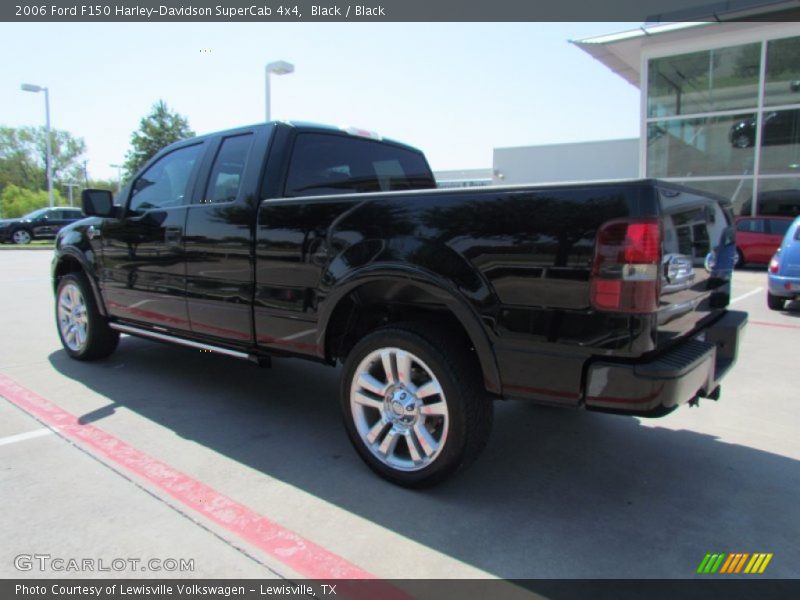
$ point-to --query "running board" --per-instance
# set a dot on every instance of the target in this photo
(183, 342)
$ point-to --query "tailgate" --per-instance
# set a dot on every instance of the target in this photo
(698, 255)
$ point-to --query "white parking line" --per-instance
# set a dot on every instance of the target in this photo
(747, 295)
(21, 437)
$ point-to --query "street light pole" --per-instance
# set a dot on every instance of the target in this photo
(28, 87)
(280, 67)
(70, 186)
(119, 176)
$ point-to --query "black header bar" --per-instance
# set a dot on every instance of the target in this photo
(376, 11)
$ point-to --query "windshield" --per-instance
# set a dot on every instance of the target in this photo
(35, 214)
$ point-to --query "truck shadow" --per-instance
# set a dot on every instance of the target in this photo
(557, 493)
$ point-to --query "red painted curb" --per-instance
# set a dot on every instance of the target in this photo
(768, 324)
(294, 551)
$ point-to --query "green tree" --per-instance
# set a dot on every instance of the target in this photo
(158, 129)
(16, 201)
(23, 157)
(104, 184)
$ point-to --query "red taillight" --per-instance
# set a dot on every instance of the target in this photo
(626, 268)
(774, 264)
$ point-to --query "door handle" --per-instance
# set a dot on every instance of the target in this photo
(173, 235)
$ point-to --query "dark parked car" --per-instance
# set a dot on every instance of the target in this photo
(780, 127)
(308, 241)
(39, 224)
(757, 238)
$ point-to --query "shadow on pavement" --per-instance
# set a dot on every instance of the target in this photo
(557, 493)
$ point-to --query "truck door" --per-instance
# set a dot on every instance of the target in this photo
(219, 237)
(144, 268)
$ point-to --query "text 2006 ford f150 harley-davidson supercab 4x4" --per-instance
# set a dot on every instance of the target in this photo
(334, 245)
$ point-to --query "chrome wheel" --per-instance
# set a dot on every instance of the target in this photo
(399, 409)
(21, 236)
(73, 320)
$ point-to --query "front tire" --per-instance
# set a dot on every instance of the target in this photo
(84, 332)
(21, 236)
(742, 141)
(775, 302)
(414, 405)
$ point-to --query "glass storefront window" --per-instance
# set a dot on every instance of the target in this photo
(782, 85)
(779, 196)
(738, 191)
(699, 82)
(700, 147)
(780, 142)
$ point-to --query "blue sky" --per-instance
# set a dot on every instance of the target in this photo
(455, 90)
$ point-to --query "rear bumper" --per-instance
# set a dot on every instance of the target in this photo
(785, 287)
(691, 370)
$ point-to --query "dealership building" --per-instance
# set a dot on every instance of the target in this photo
(720, 111)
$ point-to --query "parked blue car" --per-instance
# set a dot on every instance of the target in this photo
(784, 269)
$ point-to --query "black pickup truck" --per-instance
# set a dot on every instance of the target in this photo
(333, 245)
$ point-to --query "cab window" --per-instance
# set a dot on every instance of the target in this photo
(225, 180)
(166, 182)
(342, 164)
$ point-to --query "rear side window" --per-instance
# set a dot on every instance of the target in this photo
(751, 226)
(338, 164)
(226, 174)
(779, 226)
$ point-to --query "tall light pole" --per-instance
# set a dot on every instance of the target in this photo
(119, 176)
(29, 87)
(70, 186)
(280, 67)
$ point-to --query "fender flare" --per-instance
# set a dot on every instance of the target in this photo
(451, 298)
(72, 253)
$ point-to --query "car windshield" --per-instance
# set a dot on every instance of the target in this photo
(35, 214)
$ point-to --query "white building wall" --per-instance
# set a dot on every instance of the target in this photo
(582, 161)
(463, 178)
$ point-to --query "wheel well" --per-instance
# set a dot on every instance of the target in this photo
(67, 264)
(379, 303)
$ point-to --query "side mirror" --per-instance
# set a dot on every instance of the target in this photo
(98, 203)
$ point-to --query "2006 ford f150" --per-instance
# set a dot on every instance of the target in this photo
(333, 245)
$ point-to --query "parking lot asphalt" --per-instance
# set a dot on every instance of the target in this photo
(557, 493)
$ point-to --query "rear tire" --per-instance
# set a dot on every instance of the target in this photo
(84, 332)
(775, 302)
(738, 261)
(425, 420)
